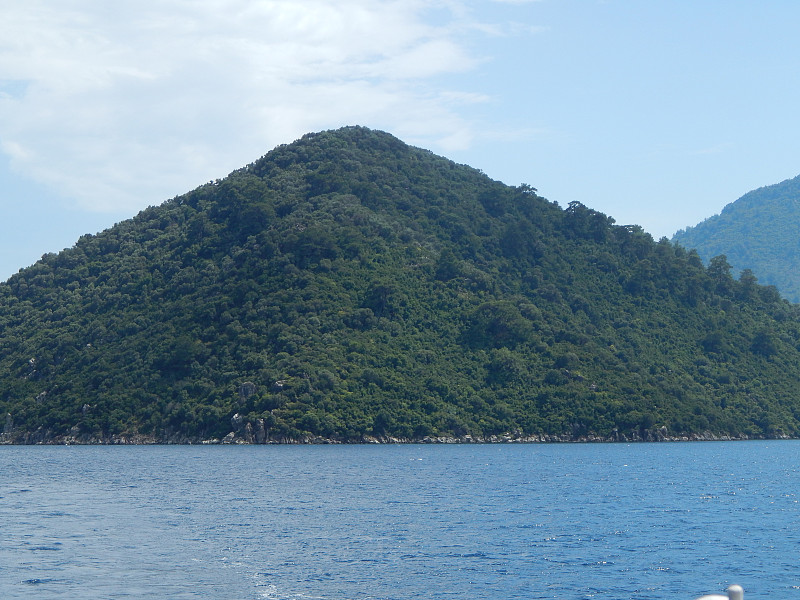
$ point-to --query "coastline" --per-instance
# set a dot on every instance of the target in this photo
(45, 438)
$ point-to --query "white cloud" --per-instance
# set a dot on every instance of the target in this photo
(124, 104)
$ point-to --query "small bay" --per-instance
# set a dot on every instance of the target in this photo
(504, 521)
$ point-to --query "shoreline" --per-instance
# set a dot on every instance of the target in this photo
(43, 439)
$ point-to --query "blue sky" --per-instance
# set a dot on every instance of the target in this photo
(654, 112)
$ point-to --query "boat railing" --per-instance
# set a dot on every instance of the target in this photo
(735, 592)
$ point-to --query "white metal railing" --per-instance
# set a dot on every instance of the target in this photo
(735, 592)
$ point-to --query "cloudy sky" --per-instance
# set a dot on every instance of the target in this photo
(657, 113)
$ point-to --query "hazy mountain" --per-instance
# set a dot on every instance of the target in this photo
(350, 287)
(760, 232)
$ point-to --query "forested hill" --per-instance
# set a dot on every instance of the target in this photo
(758, 232)
(348, 287)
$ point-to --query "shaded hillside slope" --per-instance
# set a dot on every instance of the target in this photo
(348, 286)
(759, 231)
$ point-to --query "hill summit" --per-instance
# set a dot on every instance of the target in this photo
(757, 232)
(348, 287)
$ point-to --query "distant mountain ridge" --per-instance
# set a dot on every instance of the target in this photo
(348, 287)
(760, 231)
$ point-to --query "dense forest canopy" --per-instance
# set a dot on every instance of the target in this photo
(758, 232)
(348, 287)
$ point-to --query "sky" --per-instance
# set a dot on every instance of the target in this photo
(656, 112)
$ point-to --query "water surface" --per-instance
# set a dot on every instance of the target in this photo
(639, 521)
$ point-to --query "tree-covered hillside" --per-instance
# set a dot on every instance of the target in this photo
(758, 232)
(350, 287)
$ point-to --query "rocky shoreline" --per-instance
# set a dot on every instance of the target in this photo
(244, 431)
(41, 437)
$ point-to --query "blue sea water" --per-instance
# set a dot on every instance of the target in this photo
(472, 522)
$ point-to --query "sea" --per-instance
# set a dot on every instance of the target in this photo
(399, 522)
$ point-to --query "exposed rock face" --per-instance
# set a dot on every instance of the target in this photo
(237, 422)
(247, 390)
(260, 432)
(242, 430)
